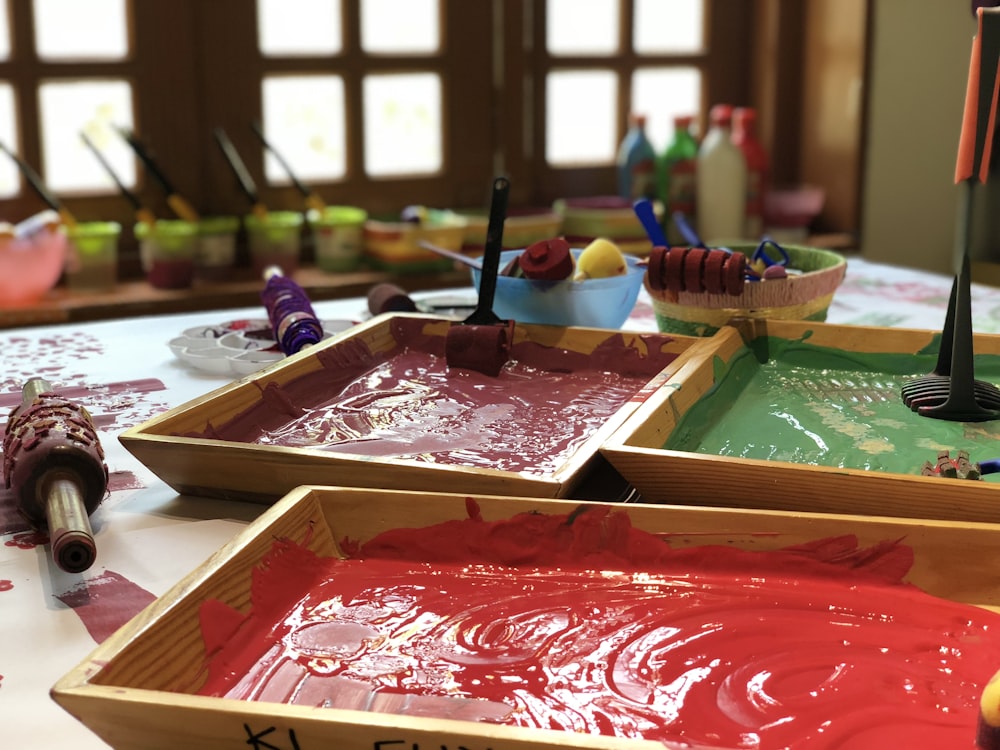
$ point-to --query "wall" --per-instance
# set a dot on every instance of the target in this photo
(918, 68)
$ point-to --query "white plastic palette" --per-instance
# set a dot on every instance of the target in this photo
(237, 347)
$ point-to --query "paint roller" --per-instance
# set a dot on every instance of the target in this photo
(482, 341)
(696, 269)
(291, 313)
(54, 463)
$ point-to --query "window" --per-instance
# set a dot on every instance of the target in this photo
(378, 103)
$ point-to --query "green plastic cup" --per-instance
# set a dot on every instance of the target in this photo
(274, 240)
(168, 250)
(92, 256)
(338, 237)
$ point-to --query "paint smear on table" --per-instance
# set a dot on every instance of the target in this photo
(106, 602)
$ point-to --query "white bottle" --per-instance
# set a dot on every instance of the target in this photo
(721, 185)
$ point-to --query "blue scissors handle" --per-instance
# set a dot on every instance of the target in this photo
(761, 254)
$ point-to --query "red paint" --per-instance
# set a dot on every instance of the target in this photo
(813, 646)
(6, 585)
(171, 273)
(124, 480)
(408, 403)
(106, 602)
(28, 540)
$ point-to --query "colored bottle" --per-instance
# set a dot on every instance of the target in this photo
(677, 169)
(721, 186)
(636, 162)
(758, 168)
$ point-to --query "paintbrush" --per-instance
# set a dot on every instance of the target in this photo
(312, 200)
(142, 214)
(35, 180)
(247, 185)
(176, 202)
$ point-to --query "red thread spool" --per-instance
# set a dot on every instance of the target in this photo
(696, 269)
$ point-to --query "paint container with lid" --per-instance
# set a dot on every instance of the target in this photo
(168, 249)
(274, 239)
(338, 237)
(92, 256)
(216, 247)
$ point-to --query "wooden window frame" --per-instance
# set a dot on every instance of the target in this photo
(213, 72)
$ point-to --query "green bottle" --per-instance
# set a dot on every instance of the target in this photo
(677, 169)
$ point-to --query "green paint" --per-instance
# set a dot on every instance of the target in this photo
(783, 400)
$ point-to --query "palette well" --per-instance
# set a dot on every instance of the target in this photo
(794, 415)
(143, 687)
(377, 406)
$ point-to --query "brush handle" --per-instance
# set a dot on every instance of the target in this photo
(177, 204)
(483, 314)
(151, 166)
(259, 132)
(131, 197)
(37, 184)
(247, 184)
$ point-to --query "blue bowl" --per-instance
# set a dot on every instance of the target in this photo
(594, 303)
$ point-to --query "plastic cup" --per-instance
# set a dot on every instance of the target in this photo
(92, 256)
(274, 240)
(216, 247)
(168, 250)
(338, 237)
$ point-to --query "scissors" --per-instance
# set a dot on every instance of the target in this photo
(764, 266)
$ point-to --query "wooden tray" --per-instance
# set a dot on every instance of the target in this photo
(663, 475)
(135, 690)
(262, 473)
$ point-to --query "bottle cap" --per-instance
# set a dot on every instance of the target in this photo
(721, 114)
(637, 120)
(745, 115)
(683, 121)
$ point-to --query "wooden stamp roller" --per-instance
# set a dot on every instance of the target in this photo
(54, 463)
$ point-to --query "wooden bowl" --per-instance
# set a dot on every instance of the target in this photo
(851, 445)
(137, 690)
(805, 296)
(179, 445)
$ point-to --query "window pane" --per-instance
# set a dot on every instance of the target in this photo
(304, 118)
(4, 31)
(70, 29)
(402, 124)
(96, 108)
(582, 27)
(668, 26)
(9, 180)
(578, 134)
(663, 93)
(299, 27)
(400, 26)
